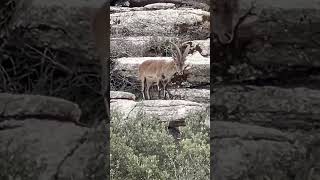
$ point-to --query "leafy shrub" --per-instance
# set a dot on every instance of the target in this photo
(141, 148)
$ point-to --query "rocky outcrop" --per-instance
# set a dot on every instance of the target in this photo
(254, 152)
(36, 106)
(281, 45)
(139, 34)
(41, 136)
(160, 22)
(59, 33)
(122, 95)
(195, 95)
(136, 3)
(279, 108)
(87, 159)
(174, 112)
(194, 3)
(265, 108)
(43, 127)
(156, 6)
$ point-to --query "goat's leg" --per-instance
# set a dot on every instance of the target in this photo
(148, 90)
(158, 85)
(164, 90)
(169, 94)
(143, 88)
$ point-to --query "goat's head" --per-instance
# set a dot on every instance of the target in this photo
(179, 58)
(226, 16)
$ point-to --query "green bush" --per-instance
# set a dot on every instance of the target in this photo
(141, 148)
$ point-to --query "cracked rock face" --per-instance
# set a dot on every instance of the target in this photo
(258, 131)
(281, 108)
(194, 95)
(46, 139)
(45, 124)
(168, 21)
(164, 110)
(243, 151)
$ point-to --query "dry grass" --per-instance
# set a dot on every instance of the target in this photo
(29, 67)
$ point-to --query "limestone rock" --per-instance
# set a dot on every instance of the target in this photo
(281, 108)
(122, 95)
(251, 151)
(49, 140)
(164, 110)
(159, 6)
(21, 106)
(160, 22)
(195, 95)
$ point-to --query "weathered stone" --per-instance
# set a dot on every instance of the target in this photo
(195, 95)
(242, 151)
(122, 95)
(49, 140)
(194, 3)
(164, 110)
(160, 22)
(22, 106)
(201, 46)
(155, 6)
(281, 108)
(89, 155)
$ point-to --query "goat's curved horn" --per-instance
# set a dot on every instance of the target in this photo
(178, 50)
(186, 52)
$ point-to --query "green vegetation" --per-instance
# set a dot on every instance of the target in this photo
(141, 148)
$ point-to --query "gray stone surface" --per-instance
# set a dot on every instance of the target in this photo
(164, 110)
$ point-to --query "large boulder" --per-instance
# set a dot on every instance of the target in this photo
(20, 106)
(174, 112)
(194, 95)
(252, 152)
(280, 108)
(182, 22)
(43, 130)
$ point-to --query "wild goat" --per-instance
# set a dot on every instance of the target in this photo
(161, 71)
(226, 18)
